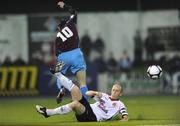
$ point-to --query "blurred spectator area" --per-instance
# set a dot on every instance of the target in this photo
(167, 38)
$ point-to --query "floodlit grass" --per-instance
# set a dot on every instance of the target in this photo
(143, 110)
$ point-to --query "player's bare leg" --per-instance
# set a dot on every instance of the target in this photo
(77, 107)
(81, 77)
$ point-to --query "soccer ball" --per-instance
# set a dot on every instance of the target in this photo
(154, 71)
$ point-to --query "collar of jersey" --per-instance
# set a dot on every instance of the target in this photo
(113, 99)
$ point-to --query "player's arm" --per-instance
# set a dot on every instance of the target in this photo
(91, 93)
(124, 113)
(68, 8)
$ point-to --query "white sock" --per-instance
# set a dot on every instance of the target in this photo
(67, 83)
(59, 111)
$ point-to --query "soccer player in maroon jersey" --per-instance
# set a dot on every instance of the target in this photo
(69, 55)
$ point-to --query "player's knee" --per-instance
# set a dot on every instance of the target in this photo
(75, 88)
(75, 105)
(78, 107)
(78, 104)
(76, 93)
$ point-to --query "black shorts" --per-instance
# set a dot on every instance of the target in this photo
(88, 115)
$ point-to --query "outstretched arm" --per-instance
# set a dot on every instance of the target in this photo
(68, 8)
(91, 93)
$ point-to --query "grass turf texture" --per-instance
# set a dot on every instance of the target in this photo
(143, 110)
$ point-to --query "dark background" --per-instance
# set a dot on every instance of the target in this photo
(34, 6)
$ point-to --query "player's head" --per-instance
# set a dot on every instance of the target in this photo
(116, 90)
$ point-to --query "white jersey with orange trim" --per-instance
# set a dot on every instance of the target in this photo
(105, 108)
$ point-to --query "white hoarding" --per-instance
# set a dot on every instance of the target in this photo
(13, 37)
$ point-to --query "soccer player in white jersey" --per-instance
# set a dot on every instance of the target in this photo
(105, 107)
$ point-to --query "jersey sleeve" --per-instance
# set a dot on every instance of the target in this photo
(123, 110)
(73, 12)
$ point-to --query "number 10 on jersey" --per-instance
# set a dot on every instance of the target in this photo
(67, 33)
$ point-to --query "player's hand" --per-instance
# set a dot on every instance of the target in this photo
(125, 118)
(99, 95)
(61, 4)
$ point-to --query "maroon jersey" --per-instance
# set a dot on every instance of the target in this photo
(67, 38)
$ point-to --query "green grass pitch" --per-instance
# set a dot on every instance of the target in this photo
(143, 110)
